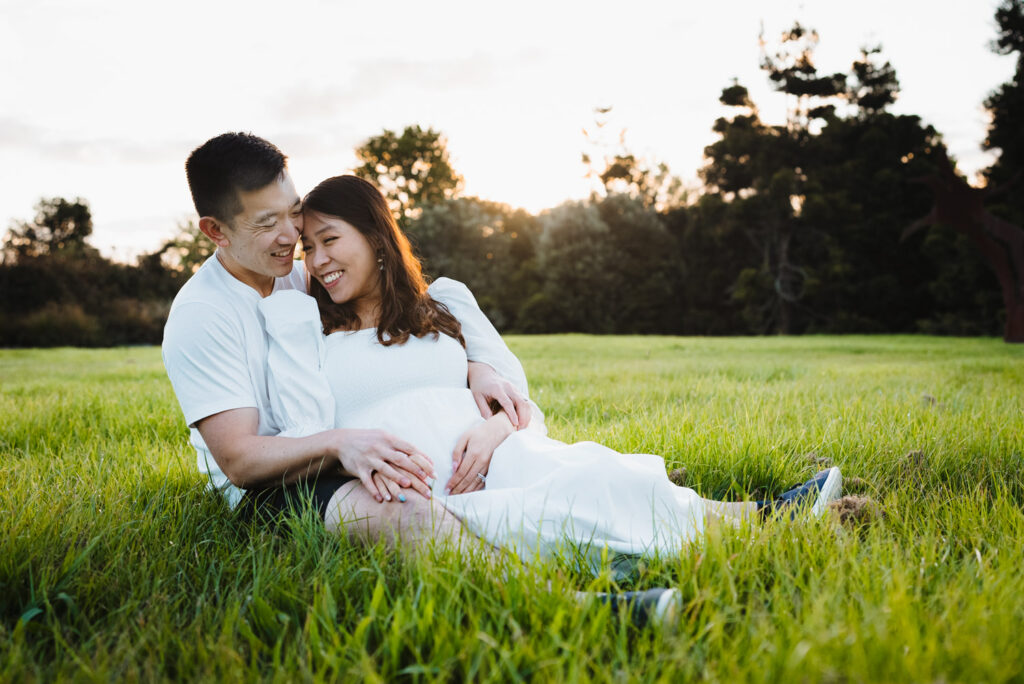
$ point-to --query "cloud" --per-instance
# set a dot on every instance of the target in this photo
(55, 145)
(301, 141)
(377, 79)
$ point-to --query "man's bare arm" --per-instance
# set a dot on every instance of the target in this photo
(252, 460)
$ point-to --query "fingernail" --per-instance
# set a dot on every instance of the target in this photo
(401, 497)
(388, 497)
(447, 491)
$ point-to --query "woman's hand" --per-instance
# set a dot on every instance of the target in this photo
(487, 386)
(392, 491)
(472, 456)
(382, 461)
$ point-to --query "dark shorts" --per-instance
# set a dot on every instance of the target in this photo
(271, 503)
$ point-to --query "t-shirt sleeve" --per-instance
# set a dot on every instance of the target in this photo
(301, 402)
(483, 343)
(205, 358)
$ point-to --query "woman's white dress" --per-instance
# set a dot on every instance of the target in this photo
(542, 496)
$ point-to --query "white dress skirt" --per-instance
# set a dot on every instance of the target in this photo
(542, 497)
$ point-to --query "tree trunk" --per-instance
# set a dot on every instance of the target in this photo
(785, 297)
(961, 206)
(1014, 331)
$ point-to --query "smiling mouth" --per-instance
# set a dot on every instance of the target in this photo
(284, 253)
(331, 278)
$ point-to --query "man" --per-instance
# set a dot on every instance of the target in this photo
(215, 351)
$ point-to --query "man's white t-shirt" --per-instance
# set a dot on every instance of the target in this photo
(215, 350)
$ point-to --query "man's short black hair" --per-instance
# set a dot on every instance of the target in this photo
(221, 167)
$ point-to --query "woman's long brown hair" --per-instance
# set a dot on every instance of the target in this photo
(405, 307)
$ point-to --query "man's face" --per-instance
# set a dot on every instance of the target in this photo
(261, 238)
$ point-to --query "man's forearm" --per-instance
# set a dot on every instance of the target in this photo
(252, 460)
(259, 461)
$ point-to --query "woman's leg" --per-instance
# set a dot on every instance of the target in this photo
(354, 511)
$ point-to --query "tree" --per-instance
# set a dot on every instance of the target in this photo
(61, 227)
(793, 72)
(762, 171)
(961, 206)
(618, 171)
(757, 170)
(412, 169)
(820, 203)
(861, 193)
(185, 252)
(1006, 106)
(873, 87)
(711, 249)
(575, 258)
(56, 289)
(486, 245)
(996, 231)
(608, 267)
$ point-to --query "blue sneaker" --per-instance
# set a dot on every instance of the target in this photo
(642, 608)
(822, 489)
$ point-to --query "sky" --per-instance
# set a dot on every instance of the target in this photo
(104, 99)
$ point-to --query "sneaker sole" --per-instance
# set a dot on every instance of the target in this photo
(830, 491)
(666, 610)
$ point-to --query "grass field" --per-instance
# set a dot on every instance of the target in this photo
(115, 563)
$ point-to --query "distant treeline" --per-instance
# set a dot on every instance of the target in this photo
(797, 228)
(56, 290)
(614, 265)
(609, 265)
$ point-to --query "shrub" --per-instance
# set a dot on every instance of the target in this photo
(55, 325)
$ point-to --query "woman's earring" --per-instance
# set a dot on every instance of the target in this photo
(380, 262)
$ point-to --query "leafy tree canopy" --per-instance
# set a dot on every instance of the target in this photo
(618, 171)
(412, 169)
(60, 227)
(1010, 18)
(1006, 106)
(185, 252)
(873, 87)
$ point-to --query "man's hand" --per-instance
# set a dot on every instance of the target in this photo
(472, 456)
(488, 386)
(383, 463)
(252, 460)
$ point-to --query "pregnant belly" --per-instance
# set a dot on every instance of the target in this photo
(430, 419)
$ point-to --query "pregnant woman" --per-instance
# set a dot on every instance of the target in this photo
(373, 350)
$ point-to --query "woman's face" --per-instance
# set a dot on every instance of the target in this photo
(341, 259)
